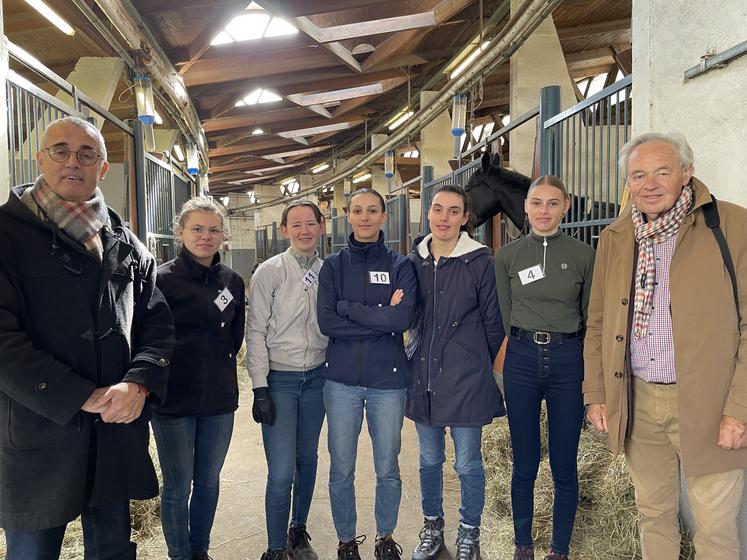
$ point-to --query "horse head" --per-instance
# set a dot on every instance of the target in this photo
(493, 189)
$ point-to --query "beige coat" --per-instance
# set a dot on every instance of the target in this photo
(710, 354)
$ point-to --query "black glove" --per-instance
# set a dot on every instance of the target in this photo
(263, 409)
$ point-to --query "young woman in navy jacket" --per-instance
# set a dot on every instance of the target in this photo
(457, 335)
(366, 301)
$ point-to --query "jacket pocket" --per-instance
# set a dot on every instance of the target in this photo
(29, 430)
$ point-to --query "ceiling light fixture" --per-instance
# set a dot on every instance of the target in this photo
(178, 152)
(51, 16)
(320, 168)
(399, 119)
(469, 60)
(361, 178)
(257, 131)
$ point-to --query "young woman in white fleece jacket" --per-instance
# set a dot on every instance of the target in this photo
(285, 351)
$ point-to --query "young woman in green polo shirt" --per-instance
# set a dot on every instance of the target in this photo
(543, 281)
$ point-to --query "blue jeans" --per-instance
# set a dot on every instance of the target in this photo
(553, 372)
(467, 464)
(385, 411)
(191, 450)
(291, 445)
(106, 536)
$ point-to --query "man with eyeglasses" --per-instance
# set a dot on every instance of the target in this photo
(85, 340)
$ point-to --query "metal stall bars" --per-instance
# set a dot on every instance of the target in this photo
(165, 191)
(340, 231)
(31, 109)
(260, 235)
(462, 175)
(459, 177)
(581, 146)
(279, 243)
(396, 226)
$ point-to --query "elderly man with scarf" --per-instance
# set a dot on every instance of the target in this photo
(666, 349)
(85, 340)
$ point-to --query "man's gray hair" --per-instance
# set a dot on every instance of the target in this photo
(676, 139)
(80, 123)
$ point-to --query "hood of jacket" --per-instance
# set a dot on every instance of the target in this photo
(464, 246)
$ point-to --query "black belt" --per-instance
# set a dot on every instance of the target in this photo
(542, 337)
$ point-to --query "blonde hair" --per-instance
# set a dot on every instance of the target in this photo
(551, 180)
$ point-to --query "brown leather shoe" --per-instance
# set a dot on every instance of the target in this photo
(554, 555)
(524, 553)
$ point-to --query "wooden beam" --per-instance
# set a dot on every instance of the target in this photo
(447, 9)
(376, 27)
(303, 86)
(624, 60)
(212, 71)
(201, 43)
(294, 118)
(295, 8)
(321, 79)
(271, 153)
(313, 31)
(393, 45)
(252, 146)
(286, 126)
(611, 26)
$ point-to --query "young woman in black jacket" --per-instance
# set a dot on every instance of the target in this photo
(193, 428)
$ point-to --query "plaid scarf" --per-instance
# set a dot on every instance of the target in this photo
(646, 234)
(80, 220)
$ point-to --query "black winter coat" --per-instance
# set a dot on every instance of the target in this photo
(365, 332)
(203, 368)
(457, 334)
(69, 324)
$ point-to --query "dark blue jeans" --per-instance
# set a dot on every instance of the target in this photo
(191, 450)
(467, 464)
(106, 536)
(553, 372)
(291, 445)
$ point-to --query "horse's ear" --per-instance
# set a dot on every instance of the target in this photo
(498, 159)
(485, 160)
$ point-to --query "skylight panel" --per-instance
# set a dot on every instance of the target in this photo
(259, 95)
(253, 97)
(248, 26)
(279, 27)
(221, 38)
(268, 97)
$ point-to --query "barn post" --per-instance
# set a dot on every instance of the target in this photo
(549, 107)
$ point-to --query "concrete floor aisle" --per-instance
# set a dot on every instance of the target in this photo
(239, 531)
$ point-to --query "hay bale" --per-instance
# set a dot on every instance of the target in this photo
(606, 519)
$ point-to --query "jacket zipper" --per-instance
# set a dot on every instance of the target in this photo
(306, 330)
(433, 334)
(365, 300)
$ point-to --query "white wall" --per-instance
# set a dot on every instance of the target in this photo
(710, 110)
(114, 187)
(539, 62)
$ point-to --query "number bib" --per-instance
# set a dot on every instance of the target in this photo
(531, 274)
(376, 277)
(223, 299)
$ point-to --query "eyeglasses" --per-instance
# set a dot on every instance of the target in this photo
(85, 156)
(199, 230)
